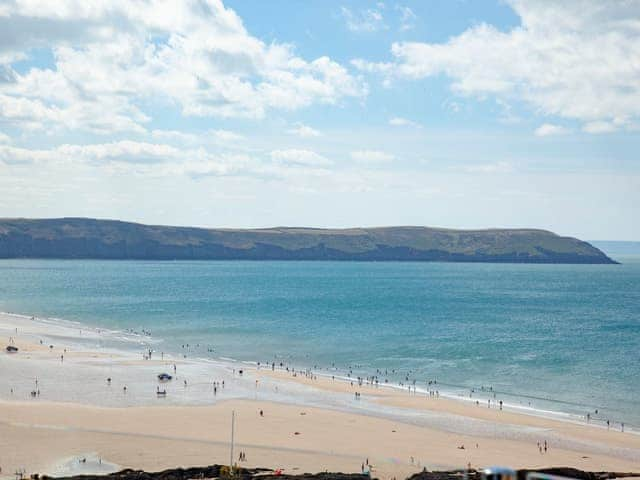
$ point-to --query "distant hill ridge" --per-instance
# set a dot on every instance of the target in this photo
(114, 239)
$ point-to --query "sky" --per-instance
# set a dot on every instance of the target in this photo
(452, 113)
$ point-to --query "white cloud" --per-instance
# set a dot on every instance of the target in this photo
(300, 157)
(226, 135)
(568, 59)
(304, 131)
(547, 129)
(368, 20)
(159, 160)
(124, 156)
(125, 151)
(497, 167)
(175, 135)
(113, 58)
(4, 138)
(43, 99)
(210, 166)
(383, 68)
(138, 158)
(210, 136)
(403, 122)
(599, 127)
(371, 156)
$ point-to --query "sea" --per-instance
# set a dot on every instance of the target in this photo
(562, 339)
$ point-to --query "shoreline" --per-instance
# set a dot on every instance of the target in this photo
(132, 338)
(78, 384)
(506, 406)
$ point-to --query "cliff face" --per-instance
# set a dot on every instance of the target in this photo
(106, 239)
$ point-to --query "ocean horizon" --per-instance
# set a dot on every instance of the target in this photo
(549, 338)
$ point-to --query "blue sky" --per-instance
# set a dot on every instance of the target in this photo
(463, 114)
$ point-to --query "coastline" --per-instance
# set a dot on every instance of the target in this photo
(79, 413)
(132, 343)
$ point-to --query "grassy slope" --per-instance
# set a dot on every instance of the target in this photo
(354, 241)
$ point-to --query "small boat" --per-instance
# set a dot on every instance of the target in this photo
(12, 349)
(164, 377)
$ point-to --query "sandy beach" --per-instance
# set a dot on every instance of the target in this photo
(308, 423)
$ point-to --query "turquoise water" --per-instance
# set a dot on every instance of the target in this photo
(558, 337)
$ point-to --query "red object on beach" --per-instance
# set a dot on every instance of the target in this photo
(278, 472)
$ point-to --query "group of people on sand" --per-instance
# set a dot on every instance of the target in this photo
(216, 385)
(542, 447)
(588, 416)
(499, 403)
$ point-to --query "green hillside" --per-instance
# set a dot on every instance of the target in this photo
(108, 239)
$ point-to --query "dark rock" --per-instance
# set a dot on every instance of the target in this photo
(220, 471)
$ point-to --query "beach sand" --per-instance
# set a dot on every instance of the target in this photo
(308, 425)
